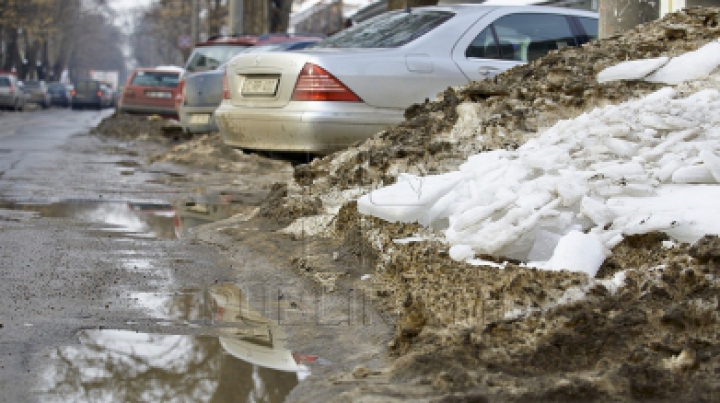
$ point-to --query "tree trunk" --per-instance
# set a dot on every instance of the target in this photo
(283, 16)
(256, 17)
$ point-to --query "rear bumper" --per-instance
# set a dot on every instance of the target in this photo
(191, 115)
(147, 110)
(317, 127)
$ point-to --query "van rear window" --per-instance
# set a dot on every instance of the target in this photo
(83, 86)
(4, 82)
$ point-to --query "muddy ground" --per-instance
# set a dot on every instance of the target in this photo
(646, 329)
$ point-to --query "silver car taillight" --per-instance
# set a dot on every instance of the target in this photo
(316, 84)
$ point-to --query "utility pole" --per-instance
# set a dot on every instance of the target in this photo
(236, 12)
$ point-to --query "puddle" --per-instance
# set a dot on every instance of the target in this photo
(246, 360)
(190, 345)
(144, 219)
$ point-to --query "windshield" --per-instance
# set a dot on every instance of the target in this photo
(211, 57)
(155, 79)
(388, 30)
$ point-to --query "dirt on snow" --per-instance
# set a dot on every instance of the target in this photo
(463, 333)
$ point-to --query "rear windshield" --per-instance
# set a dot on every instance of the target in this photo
(87, 86)
(387, 30)
(155, 79)
(4, 82)
(211, 57)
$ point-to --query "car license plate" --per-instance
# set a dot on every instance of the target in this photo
(259, 86)
(158, 94)
(199, 119)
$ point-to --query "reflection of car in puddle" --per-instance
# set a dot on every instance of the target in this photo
(159, 209)
(195, 214)
(253, 338)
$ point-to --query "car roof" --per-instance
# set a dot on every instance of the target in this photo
(254, 40)
(162, 69)
(469, 7)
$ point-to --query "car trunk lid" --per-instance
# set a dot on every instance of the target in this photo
(264, 79)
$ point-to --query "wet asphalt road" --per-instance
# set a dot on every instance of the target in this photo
(99, 299)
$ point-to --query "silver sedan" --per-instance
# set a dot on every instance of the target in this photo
(359, 82)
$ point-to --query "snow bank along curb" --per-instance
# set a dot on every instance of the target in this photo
(566, 198)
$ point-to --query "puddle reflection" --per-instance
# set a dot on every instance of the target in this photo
(138, 218)
(124, 366)
(248, 360)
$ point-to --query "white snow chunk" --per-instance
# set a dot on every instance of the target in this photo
(689, 66)
(405, 241)
(577, 252)
(461, 253)
(407, 200)
(631, 70)
(693, 174)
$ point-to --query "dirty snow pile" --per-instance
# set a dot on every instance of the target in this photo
(564, 199)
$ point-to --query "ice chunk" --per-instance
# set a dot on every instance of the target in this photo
(693, 174)
(631, 70)
(577, 252)
(409, 198)
(712, 163)
(689, 66)
(461, 253)
(596, 211)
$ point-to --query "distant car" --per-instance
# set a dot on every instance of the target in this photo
(37, 93)
(360, 81)
(217, 50)
(89, 94)
(59, 94)
(150, 91)
(109, 95)
(12, 95)
(203, 92)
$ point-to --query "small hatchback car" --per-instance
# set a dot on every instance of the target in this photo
(151, 91)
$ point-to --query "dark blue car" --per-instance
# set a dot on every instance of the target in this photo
(59, 94)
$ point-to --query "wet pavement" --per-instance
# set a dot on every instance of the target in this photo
(104, 293)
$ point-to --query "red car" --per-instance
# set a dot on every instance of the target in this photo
(151, 91)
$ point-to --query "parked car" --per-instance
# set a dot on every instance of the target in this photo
(217, 50)
(37, 93)
(109, 94)
(358, 82)
(59, 94)
(202, 92)
(12, 94)
(89, 94)
(150, 91)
